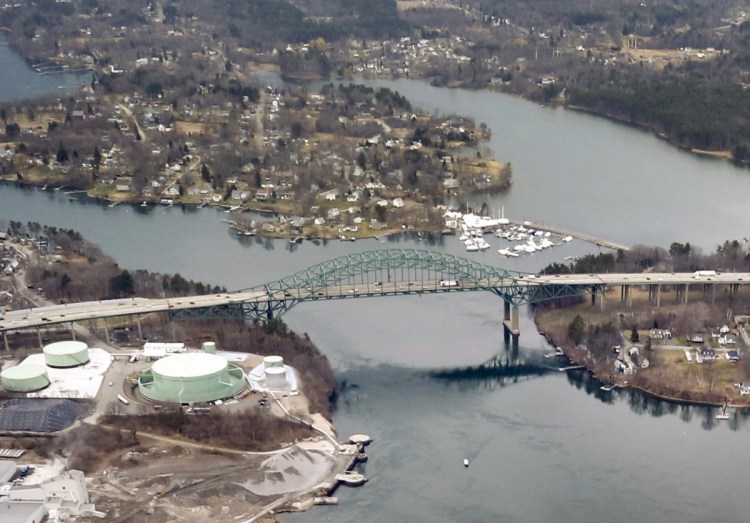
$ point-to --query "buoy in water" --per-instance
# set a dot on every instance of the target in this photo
(466, 462)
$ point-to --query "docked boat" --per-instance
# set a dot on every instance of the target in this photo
(466, 462)
(471, 245)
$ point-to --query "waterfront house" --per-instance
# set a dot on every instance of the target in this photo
(732, 355)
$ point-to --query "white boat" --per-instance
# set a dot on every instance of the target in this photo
(471, 245)
(567, 238)
(463, 237)
(482, 244)
(466, 462)
(503, 252)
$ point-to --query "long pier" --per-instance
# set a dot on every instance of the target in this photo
(577, 235)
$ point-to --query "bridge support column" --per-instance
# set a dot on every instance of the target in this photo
(39, 337)
(713, 294)
(685, 289)
(511, 323)
(140, 331)
(658, 295)
(5, 341)
(106, 331)
(603, 292)
(72, 331)
(627, 296)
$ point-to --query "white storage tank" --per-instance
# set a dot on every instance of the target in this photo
(209, 347)
(64, 354)
(275, 377)
(273, 361)
(24, 378)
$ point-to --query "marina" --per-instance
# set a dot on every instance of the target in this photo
(522, 237)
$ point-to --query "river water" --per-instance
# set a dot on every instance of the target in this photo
(20, 81)
(543, 448)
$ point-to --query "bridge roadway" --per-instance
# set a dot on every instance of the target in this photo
(83, 311)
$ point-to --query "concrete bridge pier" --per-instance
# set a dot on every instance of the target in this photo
(510, 344)
(626, 296)
(682, 293)
(654, 294)
(39, 337)
(510, 322)
(72, 331)
(5, 341)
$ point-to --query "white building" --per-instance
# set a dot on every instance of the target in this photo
(63, 497)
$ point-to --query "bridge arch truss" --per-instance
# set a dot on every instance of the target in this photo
(392, 272)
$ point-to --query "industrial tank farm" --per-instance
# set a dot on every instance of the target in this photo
(65, 354)
(194, 377)
(26, 377)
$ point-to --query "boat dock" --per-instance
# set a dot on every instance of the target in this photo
(723, 414)
(571, 367)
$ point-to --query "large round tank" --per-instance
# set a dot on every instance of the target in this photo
(209, 347)
(24, 378)
(191, 377)
(273, 361)
(275, 377)
(63, 354)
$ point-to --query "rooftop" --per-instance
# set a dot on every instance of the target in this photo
(189, 365)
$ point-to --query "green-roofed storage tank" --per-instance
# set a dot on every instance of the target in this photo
(191, 377)
(64, 354)
(24, 378)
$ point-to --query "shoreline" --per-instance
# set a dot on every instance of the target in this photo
(575, 359)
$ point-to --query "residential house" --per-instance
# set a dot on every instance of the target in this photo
(705, 354)
(263, 194)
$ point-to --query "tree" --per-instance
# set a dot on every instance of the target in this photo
(62, 153)
(65, 281)
(97, 157)
(296, 130)
(12, 130)
(634, 336)
(205, 173)
(576, 330)
(122, 284)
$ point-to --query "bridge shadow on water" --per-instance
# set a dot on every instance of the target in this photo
(499, 371)
(508, 369)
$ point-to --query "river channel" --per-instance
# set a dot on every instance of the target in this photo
(542, 448)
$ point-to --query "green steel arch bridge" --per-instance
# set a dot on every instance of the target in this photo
(393, 272)
(388, 272)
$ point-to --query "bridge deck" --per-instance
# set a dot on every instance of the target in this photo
(55, 314)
